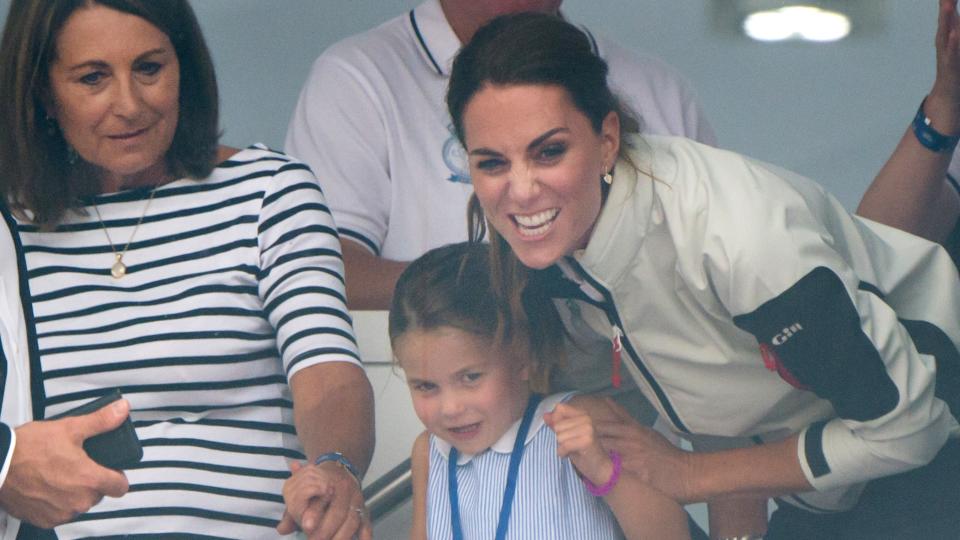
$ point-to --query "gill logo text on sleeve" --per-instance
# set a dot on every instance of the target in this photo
(811, 336)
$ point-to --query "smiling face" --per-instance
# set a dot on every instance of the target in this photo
(536, 164)
(114, 91)
(464, 391)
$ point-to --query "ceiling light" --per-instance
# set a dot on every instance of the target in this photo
(807, 23)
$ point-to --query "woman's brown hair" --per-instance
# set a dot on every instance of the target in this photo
(538, 49)
(36, 174)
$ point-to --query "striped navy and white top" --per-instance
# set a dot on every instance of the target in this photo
(234, 283)
(550, 502)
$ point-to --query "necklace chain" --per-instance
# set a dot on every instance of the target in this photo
(118, 270)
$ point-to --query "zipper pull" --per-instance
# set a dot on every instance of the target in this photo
(615, 356)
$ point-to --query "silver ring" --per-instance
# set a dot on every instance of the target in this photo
(359, 510)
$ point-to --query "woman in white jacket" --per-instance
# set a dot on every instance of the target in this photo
(747, 304)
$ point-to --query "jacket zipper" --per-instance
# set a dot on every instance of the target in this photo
(613, 316)
(616, 349)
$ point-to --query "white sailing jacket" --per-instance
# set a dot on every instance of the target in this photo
(752, 306)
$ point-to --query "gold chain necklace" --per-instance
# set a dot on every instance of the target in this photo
(118, 270)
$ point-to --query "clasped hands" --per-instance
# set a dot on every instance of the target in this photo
(325, 502)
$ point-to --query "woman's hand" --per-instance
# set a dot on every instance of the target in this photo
(325, 502)
(943, 103)
(577, 440)
(647, 454)
(910, 191)
(51, 479)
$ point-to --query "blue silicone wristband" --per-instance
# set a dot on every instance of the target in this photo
(929, 137)
(342, 460)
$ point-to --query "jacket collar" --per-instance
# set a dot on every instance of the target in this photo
(625, 216)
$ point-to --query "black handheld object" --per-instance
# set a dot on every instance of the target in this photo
(116, 449)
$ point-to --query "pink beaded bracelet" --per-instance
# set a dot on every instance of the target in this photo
(600, 491)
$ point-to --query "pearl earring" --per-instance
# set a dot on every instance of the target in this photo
(608, 178)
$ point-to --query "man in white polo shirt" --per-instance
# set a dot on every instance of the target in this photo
(372, 123)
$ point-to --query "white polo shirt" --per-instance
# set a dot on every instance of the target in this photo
(372, 123)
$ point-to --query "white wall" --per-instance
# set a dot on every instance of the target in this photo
(397, 425)
(832, 112)
(264, 48)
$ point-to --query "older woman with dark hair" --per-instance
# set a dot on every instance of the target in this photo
(814, 353)
(205, 283)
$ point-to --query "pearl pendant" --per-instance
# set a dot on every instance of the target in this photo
(118, 270)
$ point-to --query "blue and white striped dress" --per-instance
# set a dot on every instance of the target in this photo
(550, 502)
(234, 284)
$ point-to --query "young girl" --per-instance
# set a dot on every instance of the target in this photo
(493, 461)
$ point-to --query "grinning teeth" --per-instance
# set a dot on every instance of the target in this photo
(461, 429)
(536, 220)
(525, 231)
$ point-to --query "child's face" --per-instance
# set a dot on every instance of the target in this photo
(465, 391)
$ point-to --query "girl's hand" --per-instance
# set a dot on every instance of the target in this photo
(577, 440)
(299, 492)
(648, 455)
(323, 502)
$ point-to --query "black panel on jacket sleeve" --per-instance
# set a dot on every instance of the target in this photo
(813, 332)
(6, 436)
(813, 450)
(930, 339)
(952, 243)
